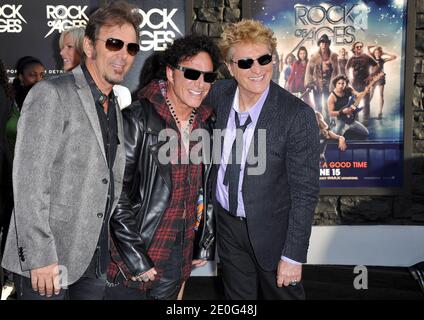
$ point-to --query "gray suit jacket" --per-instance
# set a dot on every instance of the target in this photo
(58, 178)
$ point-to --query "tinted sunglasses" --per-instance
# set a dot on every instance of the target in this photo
(248, 63)
(193, 74)
(113, 44)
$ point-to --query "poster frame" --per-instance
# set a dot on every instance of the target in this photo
(408, 52)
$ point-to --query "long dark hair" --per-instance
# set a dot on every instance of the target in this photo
(4, 82)
(302, 49)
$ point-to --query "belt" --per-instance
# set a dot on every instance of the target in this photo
(228, 213)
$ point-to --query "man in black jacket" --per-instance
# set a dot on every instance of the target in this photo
(161, 219)
(264, 209)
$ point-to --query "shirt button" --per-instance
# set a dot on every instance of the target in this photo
(104, 181)
(100, 215)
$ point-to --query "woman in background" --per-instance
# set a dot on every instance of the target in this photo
(29, 70)
(296, 81)
(290, 59)
(70, 44)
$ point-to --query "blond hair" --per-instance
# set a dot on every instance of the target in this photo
(77, 35)
(245, 31)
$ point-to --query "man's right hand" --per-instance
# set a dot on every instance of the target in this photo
(149, 275)
(45, 280)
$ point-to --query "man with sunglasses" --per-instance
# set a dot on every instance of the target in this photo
(361, 65)
(264, 217)
(69, 166)
(163, 224)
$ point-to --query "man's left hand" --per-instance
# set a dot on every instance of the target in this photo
(288, 273)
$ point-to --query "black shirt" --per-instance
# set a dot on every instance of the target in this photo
(108, 125)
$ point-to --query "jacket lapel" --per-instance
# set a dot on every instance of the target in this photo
(119, 164)
(265, 120)
(154, 125)
(86, 97)
(224, 112)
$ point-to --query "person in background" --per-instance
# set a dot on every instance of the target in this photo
(343, 57)
(29, 70)
(296, 81)
(359, 69)
(381, 58)
(339, 108)
(288, 66)
(71, 47)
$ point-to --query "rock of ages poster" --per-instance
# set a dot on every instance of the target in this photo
(346, 59)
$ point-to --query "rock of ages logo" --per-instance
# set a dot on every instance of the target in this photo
(11, 18)
(163, 29)
(61, 18)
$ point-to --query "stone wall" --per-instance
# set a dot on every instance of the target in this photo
(210, 16)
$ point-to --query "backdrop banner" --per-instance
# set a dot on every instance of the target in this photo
(33, 28)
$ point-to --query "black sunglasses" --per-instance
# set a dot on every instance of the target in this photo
(113, 44)
(193, 74)
(248, 63)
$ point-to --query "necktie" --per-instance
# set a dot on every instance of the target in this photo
(232, 172)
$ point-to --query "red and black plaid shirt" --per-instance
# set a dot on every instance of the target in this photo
(186, 183)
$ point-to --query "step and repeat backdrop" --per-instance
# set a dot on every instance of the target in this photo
(33, 28)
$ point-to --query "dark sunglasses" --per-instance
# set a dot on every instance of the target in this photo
(113, 44)
(193, 74)
(248, 63)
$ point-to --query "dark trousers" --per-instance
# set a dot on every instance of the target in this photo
(83, 289)
(243, 278)
(166, 288)
(162, 289)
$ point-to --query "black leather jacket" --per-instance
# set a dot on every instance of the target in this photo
(147, 190)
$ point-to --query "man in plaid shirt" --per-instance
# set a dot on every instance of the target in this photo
(153, 229)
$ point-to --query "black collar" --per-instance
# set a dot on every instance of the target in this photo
(97, 94)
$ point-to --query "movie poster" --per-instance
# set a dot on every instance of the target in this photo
(346, 59)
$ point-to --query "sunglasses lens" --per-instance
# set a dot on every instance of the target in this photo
(245, 63)
(133, 48)
(114, 44)
(265, 59)
(209, 77)
(191, 74)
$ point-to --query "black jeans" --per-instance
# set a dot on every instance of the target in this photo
(166, 288)
(83, 289)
